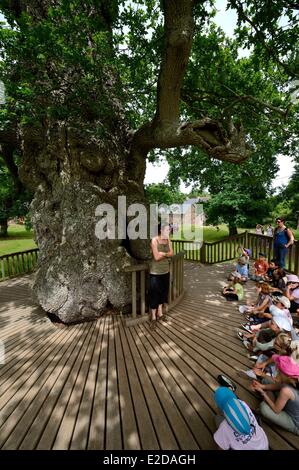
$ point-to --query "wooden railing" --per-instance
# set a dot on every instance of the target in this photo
(223, 250)
(211, 252)
(191, 248)
(14, 264)
(264, 244)
(229, 248)
(140, 284)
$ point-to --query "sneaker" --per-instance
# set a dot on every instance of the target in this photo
(241, 335)
(252, 357)
(249, 318)
(247, 327)
(247, 374)
(225, 381)
(247, 343)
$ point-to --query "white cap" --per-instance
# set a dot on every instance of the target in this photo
(282, 322)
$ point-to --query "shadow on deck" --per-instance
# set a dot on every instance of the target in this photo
(99, 385)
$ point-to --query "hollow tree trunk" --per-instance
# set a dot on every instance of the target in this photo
(78, 275)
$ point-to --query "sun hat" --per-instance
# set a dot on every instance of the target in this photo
(292, 278)
(282, 299)
(242, 260)
(282, 322)
(286, 365)
(233, 410)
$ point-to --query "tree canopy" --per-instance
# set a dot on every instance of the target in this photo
(62, 60)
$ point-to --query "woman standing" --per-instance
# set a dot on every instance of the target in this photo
(159, 273)
(283, 238)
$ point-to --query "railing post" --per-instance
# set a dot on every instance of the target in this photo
(202, 257)
(134, 295)
(2, 268)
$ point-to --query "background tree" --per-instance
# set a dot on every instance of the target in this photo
(95, 88)
(13, 203)
(163, 193)
(286, 202)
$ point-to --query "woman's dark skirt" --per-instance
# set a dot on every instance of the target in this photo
(158, 290)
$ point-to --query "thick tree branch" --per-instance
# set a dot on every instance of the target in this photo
(206, 134)
(179, 27)
(165, 131)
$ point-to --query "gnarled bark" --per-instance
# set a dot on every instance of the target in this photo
(78, 275)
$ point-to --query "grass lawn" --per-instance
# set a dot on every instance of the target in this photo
(210, 233)
(18, 240)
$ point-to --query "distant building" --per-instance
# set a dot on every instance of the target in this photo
(190, 210)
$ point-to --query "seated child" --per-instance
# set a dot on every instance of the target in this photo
(272, 267)
(280, 307)
(279, 281)
(237, 426)
(263, 339)
(262, 303)
(242, 268)
(260, 268)
(234, 291)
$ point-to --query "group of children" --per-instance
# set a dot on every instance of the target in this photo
(270, 336)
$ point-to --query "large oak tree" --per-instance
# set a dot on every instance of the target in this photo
(93, 88)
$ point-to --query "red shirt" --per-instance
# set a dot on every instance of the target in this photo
(261, 267)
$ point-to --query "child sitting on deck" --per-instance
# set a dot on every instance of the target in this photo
(272, 267)
(237, 426)
(234, 291)
(261, 267)
(241, 269)
(262, 303)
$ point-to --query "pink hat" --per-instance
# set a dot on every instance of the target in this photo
(292, 278)
(286, 365)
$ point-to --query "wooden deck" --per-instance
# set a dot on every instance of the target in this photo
(99, 385)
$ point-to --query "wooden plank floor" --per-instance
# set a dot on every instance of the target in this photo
(99, 385)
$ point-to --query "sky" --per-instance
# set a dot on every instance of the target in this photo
(157, 173)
